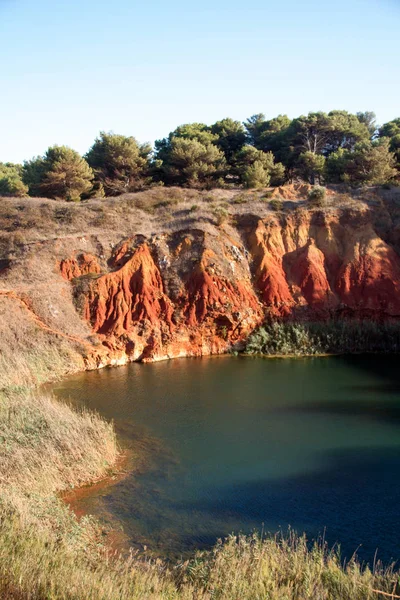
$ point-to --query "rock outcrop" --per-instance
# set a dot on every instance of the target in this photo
(76, 266)
(191, 293)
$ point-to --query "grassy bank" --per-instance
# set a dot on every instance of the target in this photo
(332, 337)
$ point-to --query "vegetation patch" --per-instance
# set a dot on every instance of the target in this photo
(276, 204)
(317, 196)
(332, 337)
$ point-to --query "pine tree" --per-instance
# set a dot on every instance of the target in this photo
(60, 174)
(119, 163)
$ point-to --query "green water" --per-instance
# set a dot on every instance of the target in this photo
(234, 444)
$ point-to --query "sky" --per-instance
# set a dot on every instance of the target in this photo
(70, 69)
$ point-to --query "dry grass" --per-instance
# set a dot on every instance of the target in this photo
(26, 221)
(30, 355)
(38, 566)
(46, 446)
(284, 567)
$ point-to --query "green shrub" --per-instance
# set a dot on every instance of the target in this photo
(221, 215)
(276, 204)
(317, 196)
(332, 337)
(240, 199)
(267, 195)
(170, 202)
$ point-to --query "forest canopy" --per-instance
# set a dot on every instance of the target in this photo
(318, 148)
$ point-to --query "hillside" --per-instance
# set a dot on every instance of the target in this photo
(173, 272)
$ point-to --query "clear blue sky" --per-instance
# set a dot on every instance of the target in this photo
(70, 68)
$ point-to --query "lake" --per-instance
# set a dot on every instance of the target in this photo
(228, 444)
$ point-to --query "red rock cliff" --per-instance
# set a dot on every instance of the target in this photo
(192, 293)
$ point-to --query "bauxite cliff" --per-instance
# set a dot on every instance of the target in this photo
(177, 282)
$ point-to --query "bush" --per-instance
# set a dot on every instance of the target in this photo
(240, 199)
(332, 337)
(276, 204)
(267, 195)
(317, 196)
(61, 174)
(221, 215)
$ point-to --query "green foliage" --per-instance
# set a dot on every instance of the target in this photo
(317, 196)
(231, 137)
(318, 147)
(344, 131)
(269, 136)
(335, 167)
(120, 164)
(368, 163)
(34, 171)
(276, 204)
(189, 162)
(240, 199)
(368, 118)
(391, 130)
(11, 183)
(221, 215)
(254, 126)
(61, 174)
(190, 156)
(256, 176)
(311, 166)
(321, 133)
(287, 338)
(195, 131)
(299, 144)
(257, 168)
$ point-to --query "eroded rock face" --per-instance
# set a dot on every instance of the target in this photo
(192, 293)
(76, 266)
(186, 295)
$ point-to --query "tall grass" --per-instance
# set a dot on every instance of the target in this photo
(38, 566)
(332, 337)
(46, 446)
(283, 568)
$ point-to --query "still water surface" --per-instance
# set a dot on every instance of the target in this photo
(229, 444)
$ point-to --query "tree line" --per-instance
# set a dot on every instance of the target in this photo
(321, 148)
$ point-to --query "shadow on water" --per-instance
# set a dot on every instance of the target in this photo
(352, 500)
(379, 400)
(386, 367)
(385, 410)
